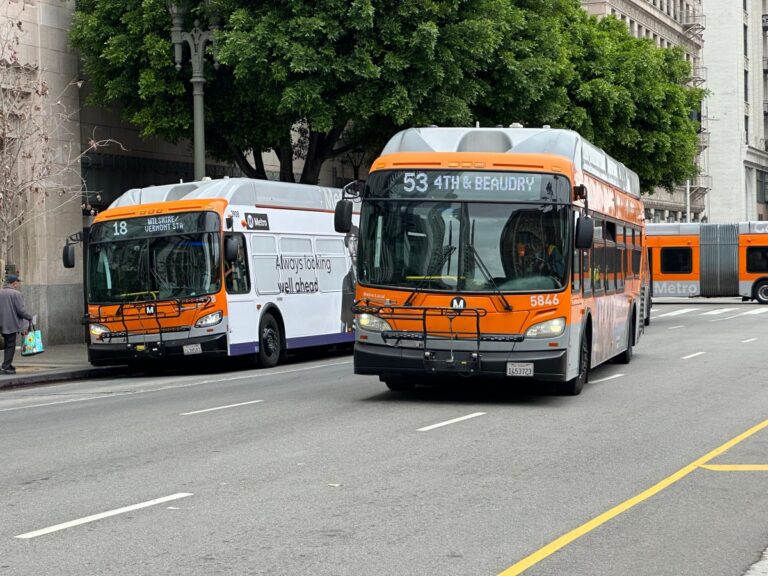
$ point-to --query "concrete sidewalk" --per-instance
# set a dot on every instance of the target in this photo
(56, 364)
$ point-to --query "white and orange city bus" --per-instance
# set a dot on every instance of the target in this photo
(710, 260)
(509, 252)
(217, 268)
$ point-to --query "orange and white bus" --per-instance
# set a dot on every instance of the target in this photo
(217, 268)
(710, 260)
(511, 252)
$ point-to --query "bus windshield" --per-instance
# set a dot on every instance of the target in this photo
(441, 240)
(154, 258)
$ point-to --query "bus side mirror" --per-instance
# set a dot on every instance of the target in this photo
(585, 230)
(230, 248)
(68, 256)
(342, 219)
(353, 189)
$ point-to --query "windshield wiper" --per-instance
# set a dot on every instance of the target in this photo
(489, 277)
(447, 251)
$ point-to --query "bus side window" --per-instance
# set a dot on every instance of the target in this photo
(757, 259)
(266, 272)
(236, 277)
(576, 269)
(598, 259)
(609, 234)
(576, 272)
(620, 257)
(676, 260)
(586, 272)
(637, 252)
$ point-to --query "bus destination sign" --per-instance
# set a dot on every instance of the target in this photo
(152, 226)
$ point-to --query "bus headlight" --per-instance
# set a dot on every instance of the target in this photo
(372, 323)
(548, 329)
(210, 320)
(98, 331)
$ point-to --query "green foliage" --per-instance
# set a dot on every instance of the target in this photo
(629, 97)
(367, 68)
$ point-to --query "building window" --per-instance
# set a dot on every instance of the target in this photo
(746, 40)
(746, 128)
(761, 192)
(746, 86)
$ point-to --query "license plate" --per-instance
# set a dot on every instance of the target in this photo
(519, 368)
(192, 349)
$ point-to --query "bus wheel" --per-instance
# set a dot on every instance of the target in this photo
(398, 383)
(761, 292)
(647, 319)
(270, 341)
(626, 356)
(576, 385)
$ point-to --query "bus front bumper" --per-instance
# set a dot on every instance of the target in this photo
(107, 354)
(371, 359)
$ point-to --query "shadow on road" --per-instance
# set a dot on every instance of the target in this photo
(476, 391)
(196, 366)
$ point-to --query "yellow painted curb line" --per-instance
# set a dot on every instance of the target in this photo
(565, 539)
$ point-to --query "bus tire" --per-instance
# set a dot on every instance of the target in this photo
(574, 386)
(647, 319)
(398, 383)
(626, 356)
(270, 341)
(761, 292)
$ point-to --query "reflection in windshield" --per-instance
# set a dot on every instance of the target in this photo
(520, 245)
(136, 270)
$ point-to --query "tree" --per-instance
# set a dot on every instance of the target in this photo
(631, 98)
(298, 75)
(39, 157)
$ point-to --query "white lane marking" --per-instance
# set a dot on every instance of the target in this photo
(95, 517)
(718, 311)
(748, 340)
(756, 311)
(220, 408)
(676, 327)
(726, 318)
(692, 355)
(102, 396)
(433, 426)
(606, 378)
(678, 312)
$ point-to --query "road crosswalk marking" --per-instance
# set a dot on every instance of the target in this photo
(678, 312)
(718, 311)
(755, 311)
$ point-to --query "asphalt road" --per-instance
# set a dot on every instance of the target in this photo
(658, 468)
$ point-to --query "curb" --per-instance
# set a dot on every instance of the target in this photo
(53, 376)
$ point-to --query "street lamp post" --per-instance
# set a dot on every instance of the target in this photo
(197, 40)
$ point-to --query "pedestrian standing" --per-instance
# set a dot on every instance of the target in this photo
(13, 313)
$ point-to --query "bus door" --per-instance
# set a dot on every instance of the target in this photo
(242, 331)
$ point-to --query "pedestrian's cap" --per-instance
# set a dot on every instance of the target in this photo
(11, 278)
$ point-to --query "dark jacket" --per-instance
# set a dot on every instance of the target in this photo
(12, 311)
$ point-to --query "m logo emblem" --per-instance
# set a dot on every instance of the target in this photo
(150, 309)
(458, 303)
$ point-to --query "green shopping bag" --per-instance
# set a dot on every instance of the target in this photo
(32, 343)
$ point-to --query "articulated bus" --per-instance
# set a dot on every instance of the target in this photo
(710, 260)
(217, 268)
(510, 252)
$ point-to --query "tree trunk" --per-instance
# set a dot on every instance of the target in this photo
(320, 149)
(240, 159)
(285, 157)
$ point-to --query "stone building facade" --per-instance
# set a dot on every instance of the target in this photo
(736, 53)
(671, 23)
